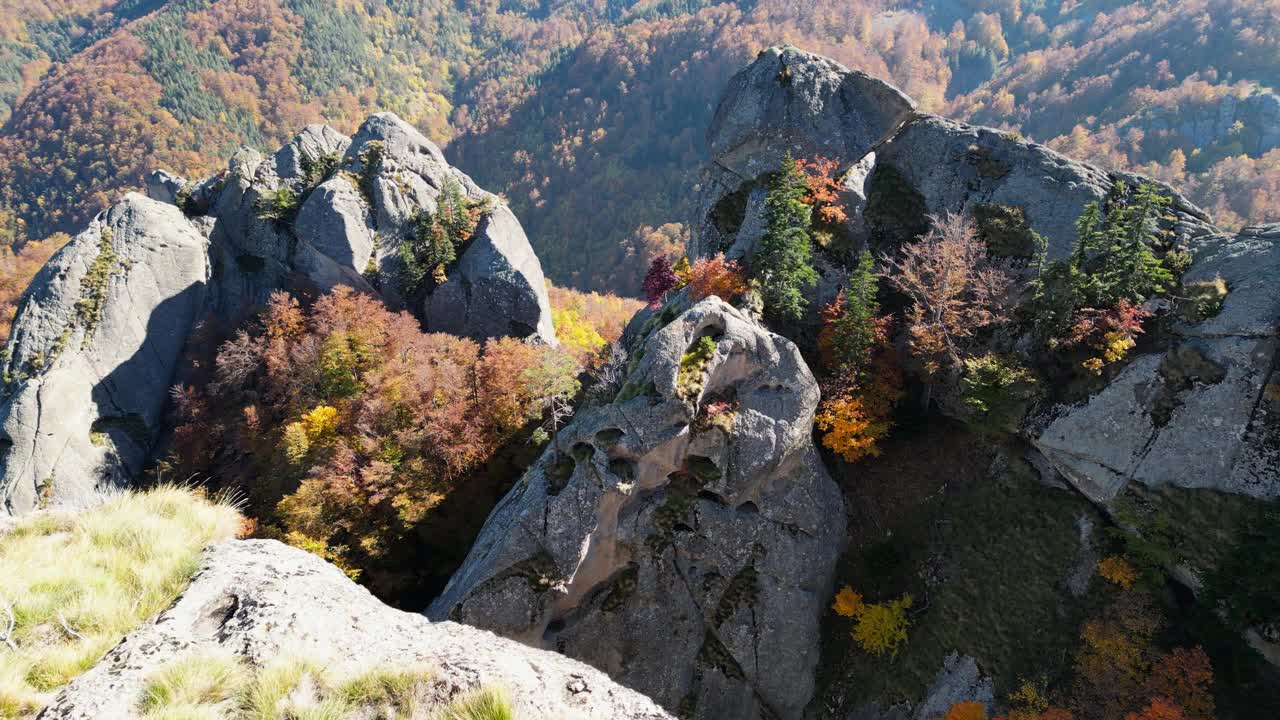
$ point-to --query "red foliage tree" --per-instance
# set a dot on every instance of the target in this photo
(659, 280)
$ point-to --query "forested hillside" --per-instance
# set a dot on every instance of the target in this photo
(589, 114)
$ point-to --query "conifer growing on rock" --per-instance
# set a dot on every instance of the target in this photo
(782, 260)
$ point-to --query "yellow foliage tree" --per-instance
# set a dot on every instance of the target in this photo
(576, 334)
(878, 628)
(849, 430)
(321, 422)
(296, 444)
(881, 628)
(683, 271)
(1118, 570)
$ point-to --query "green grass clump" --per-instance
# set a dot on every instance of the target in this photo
(116, 566)
(482, 704)
(280, 205)
(693, 368)
(194, 687)
(93, 290)
(221, 686)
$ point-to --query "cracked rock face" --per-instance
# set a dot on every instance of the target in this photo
(1206, 413)
(96, 345)
(682, 538)
(93, 351)
(263, 601)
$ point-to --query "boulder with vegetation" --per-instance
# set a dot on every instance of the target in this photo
(98, 339)
(902, 164)
(243, 629)
(263, 627)
(682, 537)
(1205, 412)
(788, 103)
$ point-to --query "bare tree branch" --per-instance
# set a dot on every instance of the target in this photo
(66, 627)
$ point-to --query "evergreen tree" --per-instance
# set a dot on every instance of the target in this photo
(1113, 258)
(856, 332)
(1131, 269)
(782, 259)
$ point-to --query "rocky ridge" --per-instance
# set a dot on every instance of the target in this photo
(1214, 380)
(99, 335)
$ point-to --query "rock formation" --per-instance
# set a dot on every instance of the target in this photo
(681, 538)
(93, 352)
(98, 337)
(1200, 413)
(1205, 412)
(263, 601)
(900, 165)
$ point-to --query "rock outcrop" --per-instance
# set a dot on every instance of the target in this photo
(98, 337)
(899, 165)
(1206, 412)
(93, 352)
(787, 102)
(1250, 123)
(262, 601)
(683, 537)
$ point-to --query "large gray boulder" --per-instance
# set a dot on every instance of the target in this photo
(935, 165)
(682, 538)
(496, 288)
(262, 601)
(791, 101)
(1203, 414)
(93, 351)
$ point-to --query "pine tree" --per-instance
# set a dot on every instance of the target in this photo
(856, 332)
(1131, 269)
(782, 259)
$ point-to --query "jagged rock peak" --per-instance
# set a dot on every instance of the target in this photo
(695, 502)
(1200, 410)
(262, 602)
(791, 101)
(98, 336)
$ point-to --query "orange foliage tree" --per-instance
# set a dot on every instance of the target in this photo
(716, 276)
(17, 267)
(346, 425)
(865, 381)
(823, 180)
(1158, 709)
(954, 287)
(967, 711)
(1184, 676)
